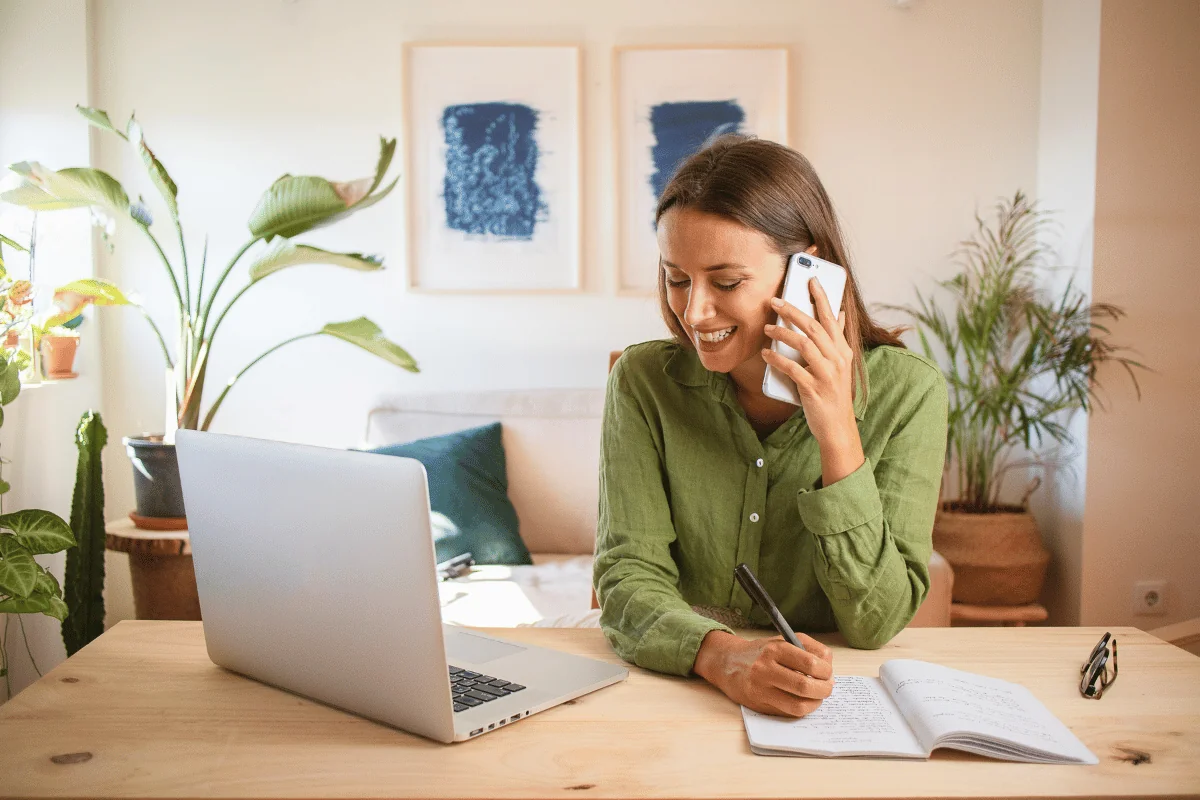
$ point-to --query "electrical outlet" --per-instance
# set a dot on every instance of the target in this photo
(1150, 598)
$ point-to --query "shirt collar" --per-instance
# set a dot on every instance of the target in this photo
(685, 368)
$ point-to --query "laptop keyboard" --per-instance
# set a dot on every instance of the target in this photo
(472, 689)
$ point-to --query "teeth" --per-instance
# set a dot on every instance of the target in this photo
(716, 336)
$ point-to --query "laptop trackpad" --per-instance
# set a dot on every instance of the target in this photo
(477, 649)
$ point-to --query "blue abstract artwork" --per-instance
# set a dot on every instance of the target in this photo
(681, 129)
(491, 159)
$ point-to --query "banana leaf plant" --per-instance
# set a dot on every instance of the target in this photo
(290, 207)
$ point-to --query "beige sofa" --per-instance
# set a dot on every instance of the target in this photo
(552, 445)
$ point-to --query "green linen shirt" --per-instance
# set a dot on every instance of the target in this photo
(688, 491)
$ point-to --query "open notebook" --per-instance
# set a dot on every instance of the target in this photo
(915, 707)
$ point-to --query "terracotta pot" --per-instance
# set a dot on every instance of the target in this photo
(998, 558)
(58, 356)
(11, 339)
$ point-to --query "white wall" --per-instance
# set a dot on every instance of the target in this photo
(1066, 187)
(912, 117)
(38, 122)
(1142, 502)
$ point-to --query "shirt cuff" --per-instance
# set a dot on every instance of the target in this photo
(842, 506)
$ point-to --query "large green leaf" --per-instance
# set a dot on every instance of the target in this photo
(285, 253)
(73, 187)
(100, 119)
(39, 531)
(10, 381)
(89, 290)
(298, 203)
(28, 195)
(364, 333)
(38, 602)
(97, 291)
(18, 570)
(387, 149)
(158, 173)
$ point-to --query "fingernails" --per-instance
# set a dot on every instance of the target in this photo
(769, 328)
(765, 352)
(777, 302)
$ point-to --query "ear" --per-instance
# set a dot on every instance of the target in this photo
(812, 250)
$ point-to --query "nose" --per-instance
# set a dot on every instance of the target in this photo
(700, 306)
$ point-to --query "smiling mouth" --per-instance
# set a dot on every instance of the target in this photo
(716, 336)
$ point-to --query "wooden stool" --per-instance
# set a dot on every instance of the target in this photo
(1012, 616)
(160, 569)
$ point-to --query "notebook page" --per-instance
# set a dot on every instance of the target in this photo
(859, 718)
(949, 704)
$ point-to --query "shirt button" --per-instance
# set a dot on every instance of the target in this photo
(754, 517)
(758, 463)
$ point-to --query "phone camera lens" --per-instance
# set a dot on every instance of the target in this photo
(804, 261)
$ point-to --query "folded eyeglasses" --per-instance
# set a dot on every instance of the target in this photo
(1100, 669)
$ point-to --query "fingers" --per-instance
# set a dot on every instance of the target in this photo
(818, 649)
(798, 341)
(807, 325)
(800, 685)
(808, 662)
(821, 306)
(779, 703)
(800, 376)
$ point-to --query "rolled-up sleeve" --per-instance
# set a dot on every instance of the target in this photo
(874, 528)
(643, 614)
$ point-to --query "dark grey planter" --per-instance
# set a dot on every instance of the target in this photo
(155, 476)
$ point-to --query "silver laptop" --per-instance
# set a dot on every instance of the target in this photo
(316, 574)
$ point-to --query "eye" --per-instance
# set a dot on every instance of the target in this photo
(728, 287)
(677, 284)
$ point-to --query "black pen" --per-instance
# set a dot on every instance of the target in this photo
(759, 595)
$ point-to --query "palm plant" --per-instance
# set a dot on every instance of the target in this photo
(293, 205)
(1017, 365)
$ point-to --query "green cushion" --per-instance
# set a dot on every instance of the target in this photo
(468, 492)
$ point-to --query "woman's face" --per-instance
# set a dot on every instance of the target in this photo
(720, 278)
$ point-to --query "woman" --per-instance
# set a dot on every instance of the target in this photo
(831, 504)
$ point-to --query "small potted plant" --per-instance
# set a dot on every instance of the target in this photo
(58, 346)
(1018, 363)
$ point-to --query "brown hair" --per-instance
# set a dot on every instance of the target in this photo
(774, 190)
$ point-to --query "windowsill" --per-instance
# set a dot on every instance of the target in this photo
(47, 382)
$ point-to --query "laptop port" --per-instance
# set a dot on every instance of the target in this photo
(514, 718)
(493, 725)
(477, 731)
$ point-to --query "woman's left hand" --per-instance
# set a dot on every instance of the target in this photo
(825, 382)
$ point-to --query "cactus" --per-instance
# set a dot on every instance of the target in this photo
(84, 578)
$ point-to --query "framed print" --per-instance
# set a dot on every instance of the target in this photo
(669, 102)
(494, 167)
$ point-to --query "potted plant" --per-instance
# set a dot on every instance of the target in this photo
(290, 207)
(26, 587)
(58, 345)
(1018, 363)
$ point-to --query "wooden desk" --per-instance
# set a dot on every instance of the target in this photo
(142, 712)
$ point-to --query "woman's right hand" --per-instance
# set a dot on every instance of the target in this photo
(770, 676)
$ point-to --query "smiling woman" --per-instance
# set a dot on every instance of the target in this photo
(830, 504)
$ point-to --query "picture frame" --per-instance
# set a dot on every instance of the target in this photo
(493, 142)
(667, 100)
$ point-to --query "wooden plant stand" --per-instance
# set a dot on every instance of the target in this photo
(160, 569)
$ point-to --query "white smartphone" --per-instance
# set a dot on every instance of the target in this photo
(802, 267)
